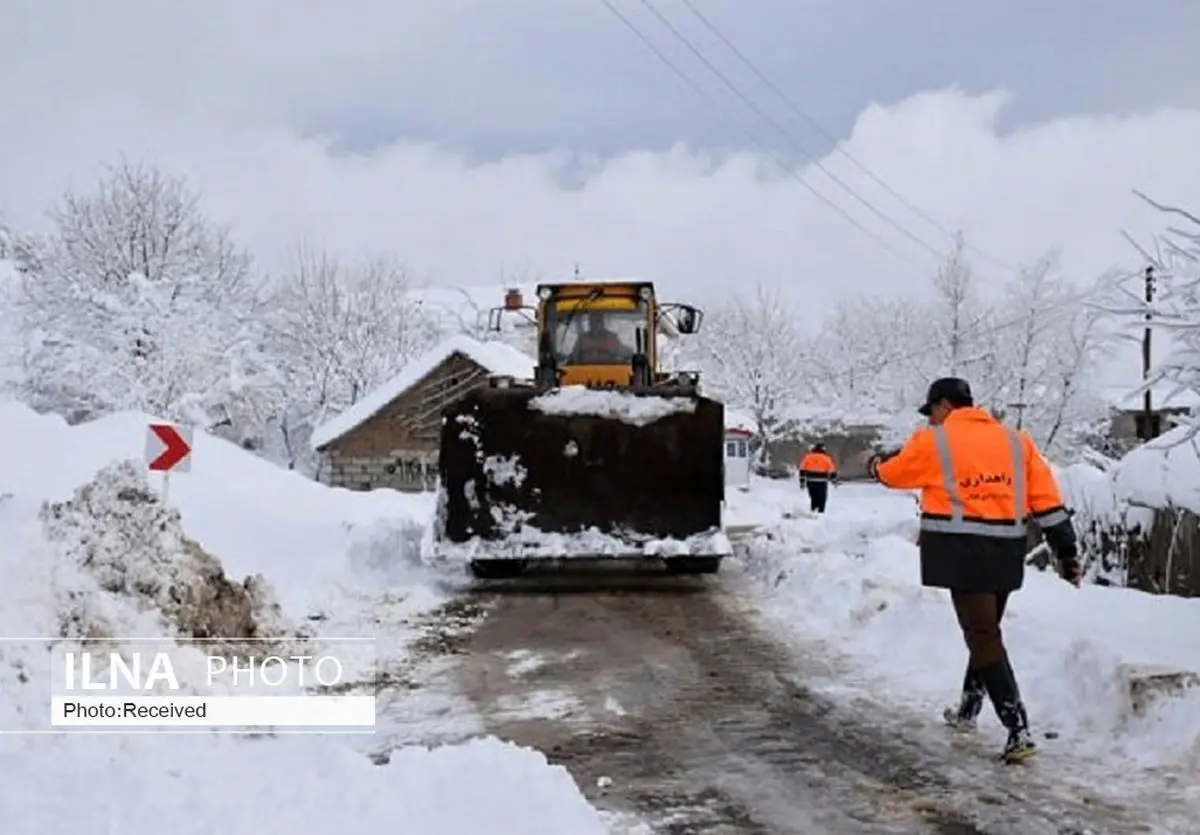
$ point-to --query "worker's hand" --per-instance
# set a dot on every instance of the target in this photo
(1071, 571)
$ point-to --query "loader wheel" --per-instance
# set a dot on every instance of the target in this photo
(496, 569)
(693, 565)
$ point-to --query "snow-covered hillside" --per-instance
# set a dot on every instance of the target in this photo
(107, 558)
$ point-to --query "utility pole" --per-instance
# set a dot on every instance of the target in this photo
(1020, 407)
(1148, 427)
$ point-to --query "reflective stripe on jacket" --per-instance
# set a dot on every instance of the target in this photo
(977, 477)
(818, 466)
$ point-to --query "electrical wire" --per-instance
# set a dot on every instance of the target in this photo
(1072, 301)
(829, 137)
(733, 123)
(809, 155)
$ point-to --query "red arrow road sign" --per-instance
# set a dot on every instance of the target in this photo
(175, 447)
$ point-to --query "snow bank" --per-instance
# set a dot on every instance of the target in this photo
(88, 557)
(498, 358)
(1161, 473)
(202, 786)
(852, 578)
(1164, 472)
(621, 405)
(259, 518)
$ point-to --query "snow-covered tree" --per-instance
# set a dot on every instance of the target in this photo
(340, 330)
(752, 355)
(135, 300)
(1047, 348)
(1029, 341)
(863, 355)
(962, 330)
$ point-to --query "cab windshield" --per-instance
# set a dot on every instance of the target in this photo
(592, 336)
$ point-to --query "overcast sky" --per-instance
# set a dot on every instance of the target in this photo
(396, 125)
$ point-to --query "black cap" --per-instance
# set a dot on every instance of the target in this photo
(953, 390)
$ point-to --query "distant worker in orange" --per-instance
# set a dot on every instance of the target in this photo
(981, 483)
(817, 469)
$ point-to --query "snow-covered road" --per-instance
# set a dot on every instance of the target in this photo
(674, 712)
(797, 691)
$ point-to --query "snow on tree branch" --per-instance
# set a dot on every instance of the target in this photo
(753, 358)
(136, 301)
(1028, 347)
(340, 331)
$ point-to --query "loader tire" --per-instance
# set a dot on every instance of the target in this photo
(496, 569)
(693, 565)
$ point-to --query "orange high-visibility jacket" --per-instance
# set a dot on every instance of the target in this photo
(818, 466)
(976, 476)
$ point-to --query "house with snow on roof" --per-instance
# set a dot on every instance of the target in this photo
(390, 438)
(1169, 405)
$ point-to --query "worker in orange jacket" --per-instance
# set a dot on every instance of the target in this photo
(817, 469)
(981, 482)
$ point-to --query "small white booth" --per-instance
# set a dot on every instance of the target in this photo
(738, 433)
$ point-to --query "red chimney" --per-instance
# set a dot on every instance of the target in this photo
(513, 300)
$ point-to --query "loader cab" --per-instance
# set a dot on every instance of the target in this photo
(601, 333)
(597, 333)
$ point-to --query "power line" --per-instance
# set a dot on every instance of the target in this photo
(731, 122)
(827, 135)
(1070, 302)
(737, 91)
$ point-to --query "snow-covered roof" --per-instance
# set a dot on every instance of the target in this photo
(497, 358)
(739, 421)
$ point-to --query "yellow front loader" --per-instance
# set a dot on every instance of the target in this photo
(601, 455)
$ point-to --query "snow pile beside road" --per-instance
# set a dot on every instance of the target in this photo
(1079, 653)
(620, 405)
(112, 564)
(97, 555)
(116, 530)
(259, 518)
(298, 784)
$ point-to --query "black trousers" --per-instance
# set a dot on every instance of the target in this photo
(818, 492)
(979, 615)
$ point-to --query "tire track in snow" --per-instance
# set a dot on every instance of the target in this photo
(666, 704)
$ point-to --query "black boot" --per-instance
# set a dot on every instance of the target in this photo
(963, 717)
(1001, 685)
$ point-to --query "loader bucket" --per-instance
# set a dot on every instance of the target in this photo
(523, 481)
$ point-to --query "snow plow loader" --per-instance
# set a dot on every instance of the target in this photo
(600, 456)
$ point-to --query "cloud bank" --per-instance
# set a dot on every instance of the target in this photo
(702, 226)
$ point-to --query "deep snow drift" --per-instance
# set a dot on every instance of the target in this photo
(243, 546)
(850, 581)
